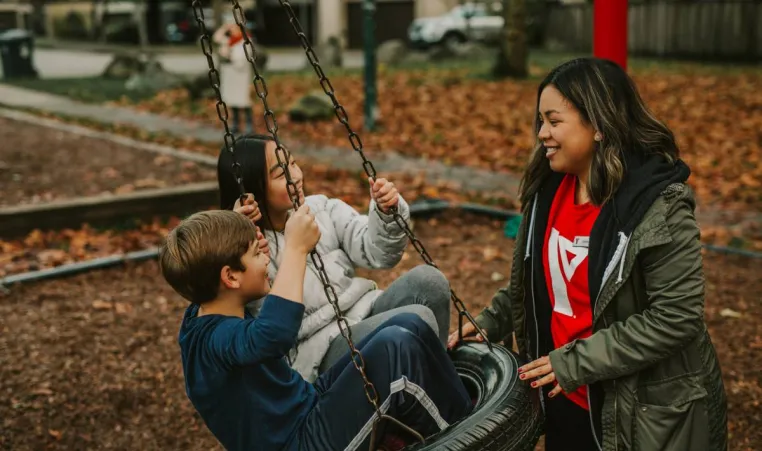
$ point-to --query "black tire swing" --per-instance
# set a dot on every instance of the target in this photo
(507, 415)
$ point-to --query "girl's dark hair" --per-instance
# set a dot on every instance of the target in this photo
(250, 153)
(606, 98)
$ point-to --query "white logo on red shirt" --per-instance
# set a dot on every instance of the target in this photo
(562, 269)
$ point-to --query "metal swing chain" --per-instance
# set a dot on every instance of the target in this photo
(221, 106)
(283, 157)
(370, 170)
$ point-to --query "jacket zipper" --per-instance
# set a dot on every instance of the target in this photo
(536, 332)
(623, 242)
(619, 254)
(616, 398)
(530, 254)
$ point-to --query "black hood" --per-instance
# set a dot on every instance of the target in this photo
(646, 177)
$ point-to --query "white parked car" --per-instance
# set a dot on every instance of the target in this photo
(466, 22)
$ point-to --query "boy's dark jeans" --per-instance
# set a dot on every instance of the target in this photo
(415, 380)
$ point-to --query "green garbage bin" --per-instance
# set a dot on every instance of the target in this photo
(16, 54)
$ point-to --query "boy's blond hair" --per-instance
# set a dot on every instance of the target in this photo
(194, 252)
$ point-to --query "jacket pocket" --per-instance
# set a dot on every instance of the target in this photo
(672, 416)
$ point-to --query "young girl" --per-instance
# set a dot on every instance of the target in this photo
(348, 240)
(235, 75)
(606, 297)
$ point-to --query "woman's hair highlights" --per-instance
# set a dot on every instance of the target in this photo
(606, 97)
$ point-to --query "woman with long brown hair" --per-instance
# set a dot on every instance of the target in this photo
(606, 296)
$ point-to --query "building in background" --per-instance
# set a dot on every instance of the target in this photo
(324, 19)
(172, 20)
(16, 14)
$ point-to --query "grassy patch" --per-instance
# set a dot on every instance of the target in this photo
(87, 89)
(540, 63)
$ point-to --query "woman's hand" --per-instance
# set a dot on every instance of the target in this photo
(469, 334)
(384, 193)
(250, 208)
(540, 368)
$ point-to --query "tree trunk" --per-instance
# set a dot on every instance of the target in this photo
(468, 16)
(100, 13)
(512, 59)
(38, 18)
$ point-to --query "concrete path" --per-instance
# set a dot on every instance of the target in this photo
(82, 62)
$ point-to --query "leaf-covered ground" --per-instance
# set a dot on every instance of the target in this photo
(39, 164)
(91, 361)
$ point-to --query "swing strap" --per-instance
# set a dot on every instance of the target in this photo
(370, 170)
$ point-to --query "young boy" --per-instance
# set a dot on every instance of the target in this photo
(236, 373)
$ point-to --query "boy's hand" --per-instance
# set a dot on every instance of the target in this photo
(302, 232)
(250, 208)
(384, 193)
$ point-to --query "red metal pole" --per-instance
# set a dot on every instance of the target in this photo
(610, 30)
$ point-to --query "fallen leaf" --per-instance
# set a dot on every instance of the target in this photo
(728, 313)
(125, 189)
(162, 160)
(102, 305)
(42, 391)
(110, 173)
(490, 253)
(442, 241)
(122, 308)
(52, 257)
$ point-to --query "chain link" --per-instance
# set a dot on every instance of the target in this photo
(283, 157)
(221, 106)
(370, 170)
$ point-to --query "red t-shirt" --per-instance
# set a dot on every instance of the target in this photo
(565, 261)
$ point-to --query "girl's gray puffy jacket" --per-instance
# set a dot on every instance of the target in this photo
(348, 239)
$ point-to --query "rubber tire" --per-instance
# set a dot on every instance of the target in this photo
(507, 415)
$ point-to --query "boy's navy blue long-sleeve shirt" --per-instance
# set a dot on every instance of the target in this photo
(237, 377)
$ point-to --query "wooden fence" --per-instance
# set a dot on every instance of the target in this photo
(709, 30)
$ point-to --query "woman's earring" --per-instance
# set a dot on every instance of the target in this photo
(598, 136)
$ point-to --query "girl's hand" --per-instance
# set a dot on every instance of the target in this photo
(302, 232)
(250, 208)
(468, 332)
(540, 368)
(264, 246)
(384, 193)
